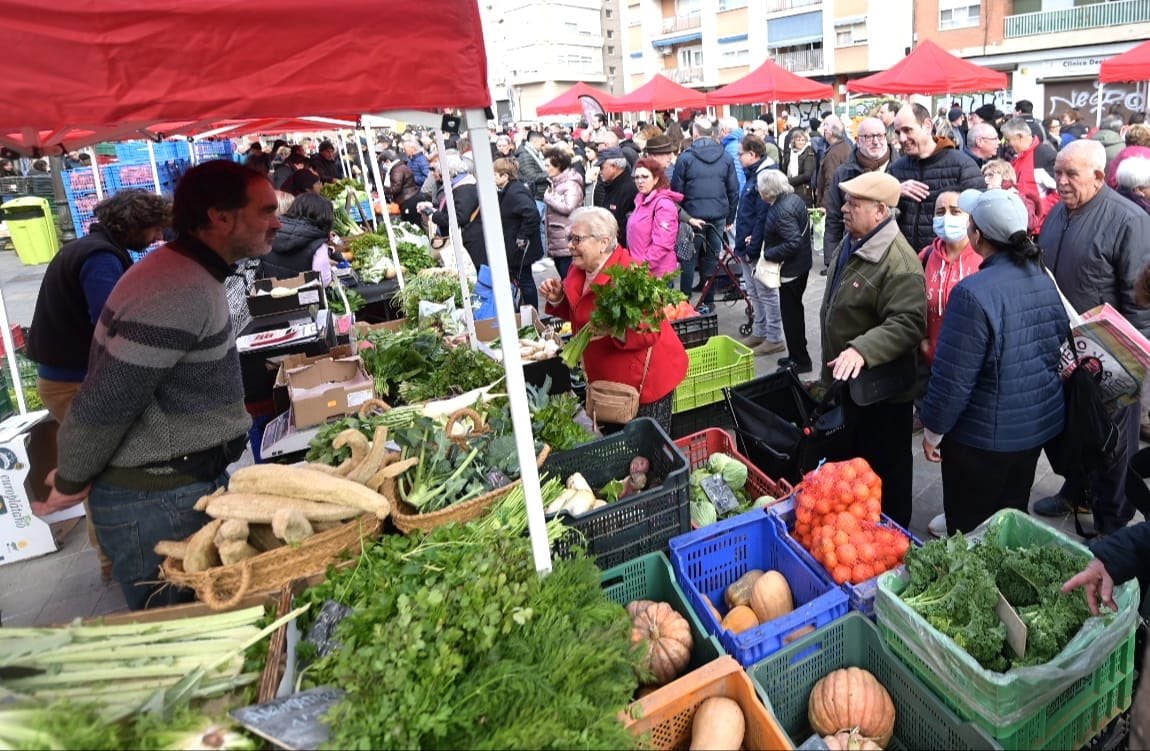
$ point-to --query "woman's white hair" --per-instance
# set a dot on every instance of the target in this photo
(599, 221)
(1133, 172)
(772, 183)
(454, 164)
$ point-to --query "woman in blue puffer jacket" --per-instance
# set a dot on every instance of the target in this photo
(995, 395)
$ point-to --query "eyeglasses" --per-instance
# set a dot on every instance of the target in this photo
(578, 239)
(872, 137)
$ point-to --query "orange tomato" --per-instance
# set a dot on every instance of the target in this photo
(861, 572)
(841, 574)
(847, 554)
(830, 560)
(867, 552)
(847, 521)
(822, 507)
(841, 538)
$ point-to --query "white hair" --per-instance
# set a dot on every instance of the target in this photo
(773, 183)
(453, 164)
(729, 123)
(1133, 172)
(1092, 152)
(833, 126)
(599, 220)
(703, 127)
(1015, 126)
(617, 163)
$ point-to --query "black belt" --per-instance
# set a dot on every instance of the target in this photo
(200, 466)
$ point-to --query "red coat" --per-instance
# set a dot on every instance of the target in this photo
(608, 359)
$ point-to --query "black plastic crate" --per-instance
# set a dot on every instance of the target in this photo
(695, 331)
(691, 421)
(637, 525)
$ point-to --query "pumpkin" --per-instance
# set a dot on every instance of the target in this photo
(850, 741)
(740, 619)
(635, 608)
(718, 725)
(771, 597)
(852, 699)
(739, 593)
(668, 635)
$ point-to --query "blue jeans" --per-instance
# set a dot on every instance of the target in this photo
(128, 525)
(542, 225)
(768, 322)
(705, 260)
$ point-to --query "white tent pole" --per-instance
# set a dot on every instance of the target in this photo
(1098, 115)
(457, 238)
(343, 154)
(367, 185)
(192, 152)
(155, 169)
(386, 218)
(95, 174)
(476, 124)
(14, 369)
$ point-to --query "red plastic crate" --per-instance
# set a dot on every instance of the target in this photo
(17, 339)
(698, 447)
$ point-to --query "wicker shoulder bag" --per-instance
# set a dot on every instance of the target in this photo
(615, 402)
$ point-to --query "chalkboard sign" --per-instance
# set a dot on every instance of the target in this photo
(720, 494)
(322, 633)
(293, 722)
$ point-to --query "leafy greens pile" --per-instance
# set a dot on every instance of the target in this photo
(632, 301)
(455, 642)
(553, 417)
(371, 254)
(954, 585)
(415, 365)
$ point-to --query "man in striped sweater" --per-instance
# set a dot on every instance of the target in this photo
(161, 413)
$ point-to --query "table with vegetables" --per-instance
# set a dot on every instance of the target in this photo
(392, 570)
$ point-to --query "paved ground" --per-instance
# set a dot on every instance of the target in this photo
(67, 584)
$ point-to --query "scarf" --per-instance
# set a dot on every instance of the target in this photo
(793, 162)
(868, 164)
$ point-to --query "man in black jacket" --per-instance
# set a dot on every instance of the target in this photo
(325, 163)
(615, 189)
(927, 167)
(705, 175)
(533, 174)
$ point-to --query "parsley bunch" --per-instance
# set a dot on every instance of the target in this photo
(632, 301)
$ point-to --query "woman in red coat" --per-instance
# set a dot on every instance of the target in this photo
(593, 249)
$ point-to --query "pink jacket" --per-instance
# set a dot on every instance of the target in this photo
(653, 228)
(941, 277)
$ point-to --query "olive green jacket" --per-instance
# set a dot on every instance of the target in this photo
(879, 305)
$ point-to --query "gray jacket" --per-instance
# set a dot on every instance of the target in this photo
(1097, 252)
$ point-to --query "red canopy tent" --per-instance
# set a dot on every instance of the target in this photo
(1131, 65)
(568, 102)
(929, 69)
(770, 82)
(660, 93)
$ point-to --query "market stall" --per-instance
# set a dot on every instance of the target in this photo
(660, 93)
(769, 84)
(570, 103)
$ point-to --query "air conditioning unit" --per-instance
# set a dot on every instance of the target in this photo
(665, 51)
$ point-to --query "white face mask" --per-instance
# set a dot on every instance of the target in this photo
(950, 228)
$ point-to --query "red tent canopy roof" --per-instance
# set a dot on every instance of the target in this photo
(568, 102)
(104, 66)
(770, 82)
(660, 93)
(1131, 65)
(929, 69)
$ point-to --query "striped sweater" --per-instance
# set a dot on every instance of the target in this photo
(163, 373)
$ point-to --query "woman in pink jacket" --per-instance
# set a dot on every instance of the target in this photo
(654, 224)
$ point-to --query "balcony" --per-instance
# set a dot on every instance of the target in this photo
(776, 6)
(685, 76)
(1094, 16)
(675, 24)
(800, 61)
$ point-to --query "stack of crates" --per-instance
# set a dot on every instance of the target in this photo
(207, 150)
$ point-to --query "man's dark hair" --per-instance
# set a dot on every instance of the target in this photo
(921, 114)
(219, 184)
(755, 145)
(296, 159)
(533, 134)
(558, 157)
(255, 146)
(1024, 106)
(891, 105)
(1136, 118)
(313, 209)
(600, 117)
(326, 146)
(132, 210)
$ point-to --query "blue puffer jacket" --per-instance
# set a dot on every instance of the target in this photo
(706, 176)
(752, 211)
(731, 143)
(994, 384)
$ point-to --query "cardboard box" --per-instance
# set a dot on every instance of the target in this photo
(487, 329)
(328, 388)
(309, 291)
(534, 373)
(27, 454)
(281, 400)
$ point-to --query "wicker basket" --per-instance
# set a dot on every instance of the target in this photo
(223, 586)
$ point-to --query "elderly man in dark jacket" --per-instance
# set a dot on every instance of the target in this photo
(838, 151)
(705, 175)
(871, 154)
(873, 314)
(928, 166)
(1095, 243)
(766, 335)
(615, 189)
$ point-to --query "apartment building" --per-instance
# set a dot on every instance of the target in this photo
(1050, 49)
(537, 49)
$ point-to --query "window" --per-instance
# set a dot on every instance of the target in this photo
(731, 4)
(691, 57)
(611, 70)
(851, 34)
(733, 58)
(957, 14)
(609, 13)
(570, 26)
(685, 8)
(610, 49)
(610, 34)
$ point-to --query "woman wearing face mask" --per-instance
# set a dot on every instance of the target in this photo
(946, 261)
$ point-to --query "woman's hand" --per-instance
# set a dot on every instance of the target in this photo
(696, 223)
(552, 291)
(930, 451)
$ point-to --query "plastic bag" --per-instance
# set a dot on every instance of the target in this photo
(1005, 699)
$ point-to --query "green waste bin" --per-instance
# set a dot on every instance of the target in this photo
(32, 227)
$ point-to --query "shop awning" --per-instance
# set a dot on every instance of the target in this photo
(929, 69)
(1131, 65)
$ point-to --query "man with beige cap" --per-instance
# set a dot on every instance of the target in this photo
(874, 314)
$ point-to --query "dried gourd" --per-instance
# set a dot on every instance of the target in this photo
(291, 526)
(258, 508)
(201, 553)
(307, 485)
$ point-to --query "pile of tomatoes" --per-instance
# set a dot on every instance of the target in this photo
(837, 518)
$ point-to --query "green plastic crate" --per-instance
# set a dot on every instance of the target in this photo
(718, 364)
(785, 679)
(1023, 708)
(649, 577)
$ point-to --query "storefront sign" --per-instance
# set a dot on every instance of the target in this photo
(1122, 99)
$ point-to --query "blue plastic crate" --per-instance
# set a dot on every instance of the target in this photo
(709, 560)
(861, 596)
(132, 151)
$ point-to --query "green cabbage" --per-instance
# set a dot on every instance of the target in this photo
(703, 512)
(734, 472)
